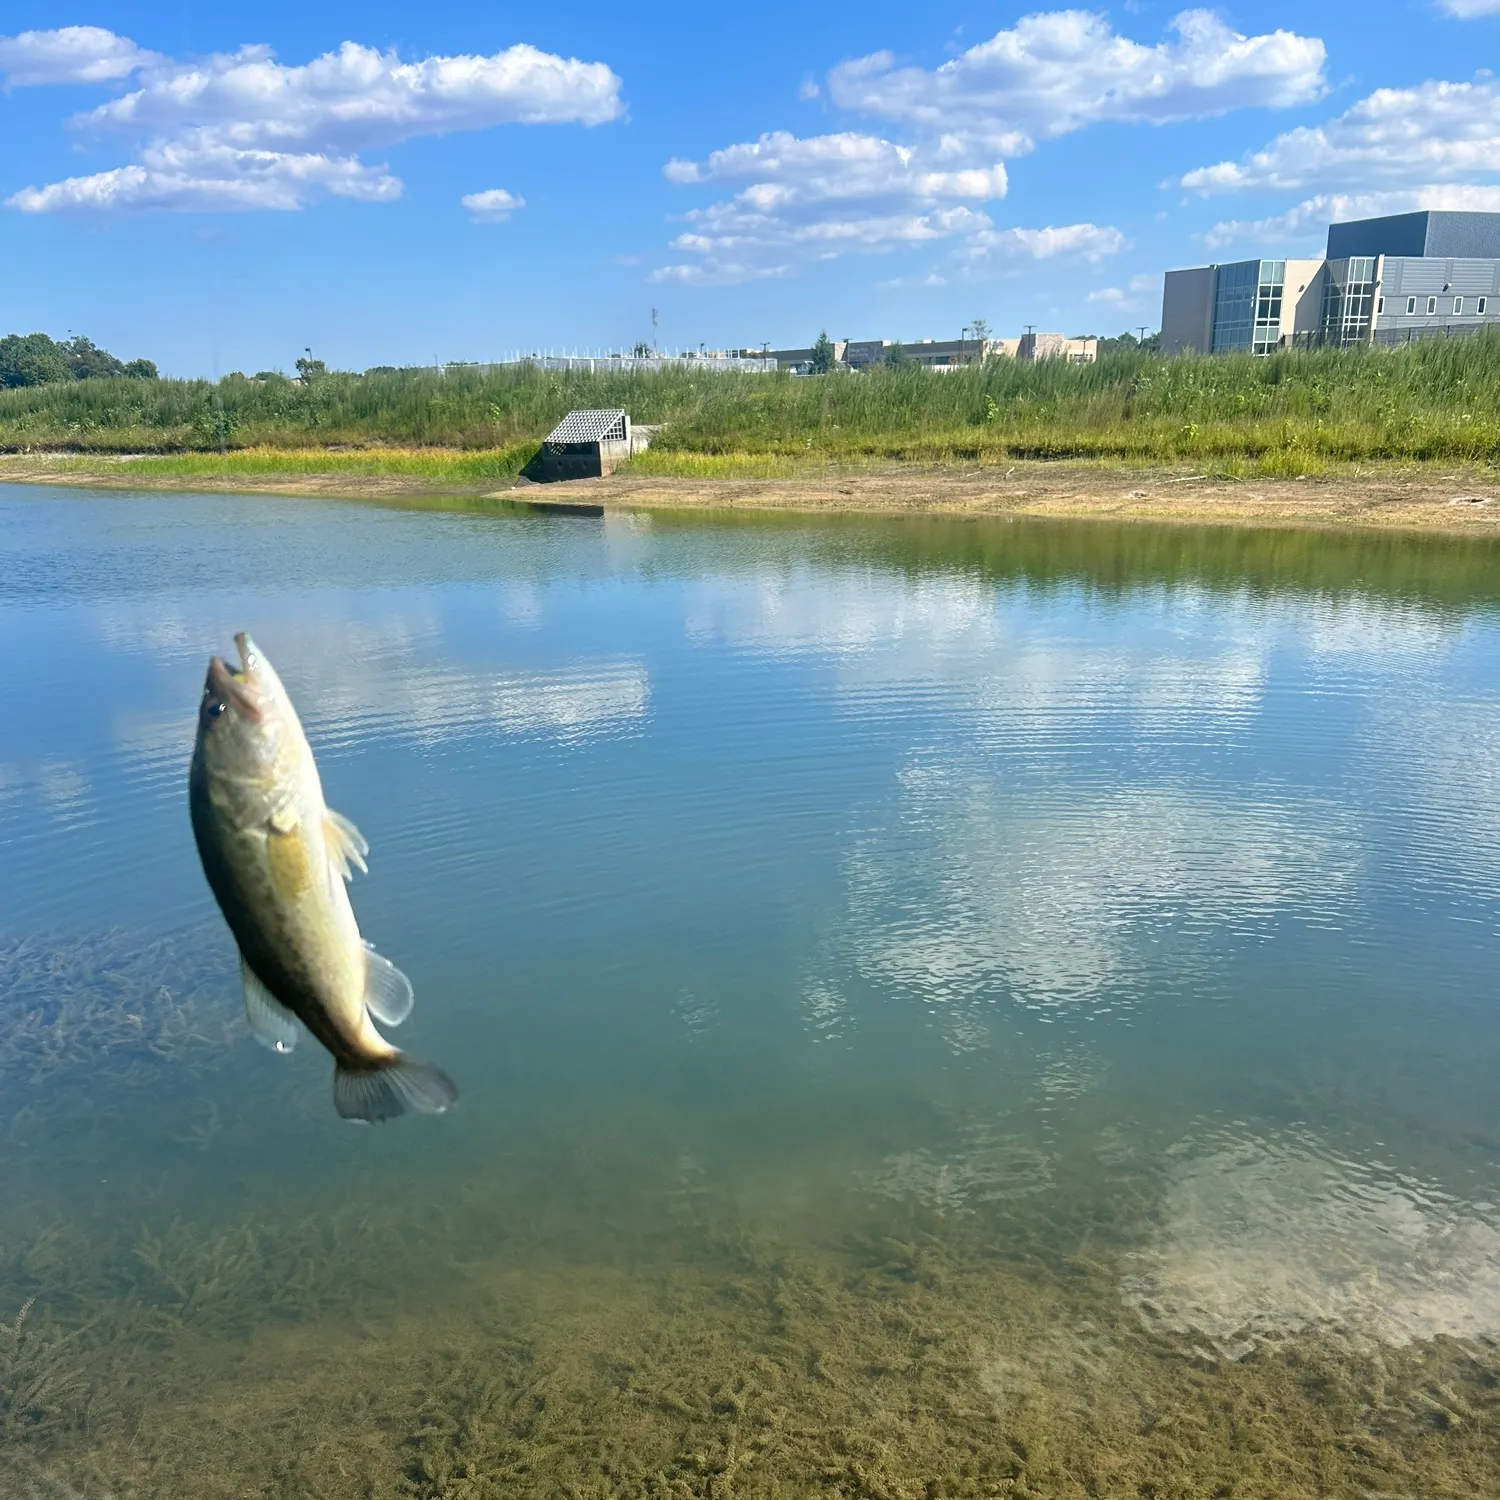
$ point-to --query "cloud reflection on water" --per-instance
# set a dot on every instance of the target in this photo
(975, 892)
(397, 676)
(1264, 1237)
(992, 874)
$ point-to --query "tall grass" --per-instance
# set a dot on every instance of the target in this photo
(1436, 401)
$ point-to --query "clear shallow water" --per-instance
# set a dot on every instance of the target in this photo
(929, 1000)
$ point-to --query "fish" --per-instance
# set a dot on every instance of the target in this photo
(278, 860)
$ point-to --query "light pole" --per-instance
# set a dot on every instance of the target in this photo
(1143, 327)
(961, 334)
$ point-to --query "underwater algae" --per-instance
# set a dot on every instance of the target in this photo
(609, 1318)
(913, 1353)
(74, 1006)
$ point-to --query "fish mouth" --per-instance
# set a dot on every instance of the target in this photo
(249, 656)
(232, 688)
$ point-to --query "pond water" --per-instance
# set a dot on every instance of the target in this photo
(941, 1008)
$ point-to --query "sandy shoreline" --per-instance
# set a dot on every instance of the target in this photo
(1416, 500)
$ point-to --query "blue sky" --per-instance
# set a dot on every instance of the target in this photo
(219, 187)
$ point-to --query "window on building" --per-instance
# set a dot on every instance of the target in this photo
(1431, 306)
(1480, 308)
(1411, 306)
(1348, 300)
(1379, 306)
(1458, 307)
(1236, 306)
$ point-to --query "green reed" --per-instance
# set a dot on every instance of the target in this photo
(1294, 413)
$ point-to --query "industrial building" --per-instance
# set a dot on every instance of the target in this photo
(860, 354)
(934, 354)
(1383, 281)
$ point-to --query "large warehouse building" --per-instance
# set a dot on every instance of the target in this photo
(1383, 281)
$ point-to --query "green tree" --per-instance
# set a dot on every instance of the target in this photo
(981, 330)
(310, 369)
(1127, 342)
(31, 359)
(822, 360)
(141, 369)
(896, 355)
(88, 361)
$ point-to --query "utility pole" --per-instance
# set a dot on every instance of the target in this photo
(1143, 327)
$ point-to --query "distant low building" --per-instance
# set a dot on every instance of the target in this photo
(1383, 281)
(859, 353)
(937, 354)
(799, 361)
(1033, 347)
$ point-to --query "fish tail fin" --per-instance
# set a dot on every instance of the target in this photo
(392, 1086)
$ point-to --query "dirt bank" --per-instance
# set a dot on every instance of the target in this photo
(1421, 500)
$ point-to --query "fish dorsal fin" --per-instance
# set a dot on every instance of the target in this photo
(271, 1023)
(346, 844)
(388, 995)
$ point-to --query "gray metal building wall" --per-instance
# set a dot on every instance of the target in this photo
(1187, 310)
(1403, 277)
(1429, 232)
(1463, 236)
(1396, 234)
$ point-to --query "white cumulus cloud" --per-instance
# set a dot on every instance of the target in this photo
(1091, 242)
(820, 197)
(785, 169)
(70, 54)
(1432, 133)
(809, 199)
(1310, 218)
(493, 206)
(1059, 71)
(242, 130)
(1139, 292)
(178, 175)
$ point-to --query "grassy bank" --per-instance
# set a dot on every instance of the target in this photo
(1293, 414)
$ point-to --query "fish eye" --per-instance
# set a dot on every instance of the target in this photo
(215, 709)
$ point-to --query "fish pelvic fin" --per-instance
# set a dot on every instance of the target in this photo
(385, 1088)
(271, 1023)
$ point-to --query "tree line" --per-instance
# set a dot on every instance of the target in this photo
(36, 359)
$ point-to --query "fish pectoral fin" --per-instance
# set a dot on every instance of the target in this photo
(271, 1023)
(388, 995)
(346, 844)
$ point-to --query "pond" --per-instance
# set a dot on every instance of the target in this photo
(941, 1007)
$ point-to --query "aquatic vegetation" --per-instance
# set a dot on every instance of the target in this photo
(911, 1351)
(40, 1385)
(76, 1005)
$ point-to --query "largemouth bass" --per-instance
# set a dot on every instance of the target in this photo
(278, 859)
